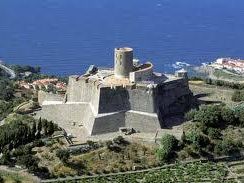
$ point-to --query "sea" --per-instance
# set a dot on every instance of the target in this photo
(66, 36)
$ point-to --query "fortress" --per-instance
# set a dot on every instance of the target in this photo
(130, 95)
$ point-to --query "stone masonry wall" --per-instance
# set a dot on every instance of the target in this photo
(108, 123)
(83, 90)
(65, 114)
(45, 96)
(143, 122)
(103, 110)
(112, 100)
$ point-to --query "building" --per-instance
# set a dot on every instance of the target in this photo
(44, 84)
(229, 64)
(131, 95)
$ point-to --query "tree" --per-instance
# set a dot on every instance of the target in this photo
(22, 150)
(39, 125)
(33, 130)
(50, 128)
(45, 126)
(6, 89)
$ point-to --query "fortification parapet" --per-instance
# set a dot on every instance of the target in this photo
(142, 73)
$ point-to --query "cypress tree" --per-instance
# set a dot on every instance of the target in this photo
(33, 130)
(39, 125)
(50, 128)
(45, 126)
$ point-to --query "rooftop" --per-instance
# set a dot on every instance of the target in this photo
(106, 77)
(124, 49)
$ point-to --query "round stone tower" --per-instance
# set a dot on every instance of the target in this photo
(123, 62)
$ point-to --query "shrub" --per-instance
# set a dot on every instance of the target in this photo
(112, 146)
(241, 120)
(62, 171)
(190, 114)
(197, 139)
(238, 96)
(119, 140)
(90, 143)
(228, 115)
(5, 159)
(209, 116)
(63, 155)
(168, 144)
(29, 162)
(183, 154)
(195, 78)
(109, 144)
(226, 147)
(1, 180)
(191, 152)
(214, 133)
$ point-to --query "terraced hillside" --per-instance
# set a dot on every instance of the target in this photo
(191, 172)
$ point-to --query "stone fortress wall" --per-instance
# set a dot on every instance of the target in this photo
(101, 107)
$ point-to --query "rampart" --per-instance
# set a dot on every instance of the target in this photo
(102, 109)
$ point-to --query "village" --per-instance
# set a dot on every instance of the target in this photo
(233, 65)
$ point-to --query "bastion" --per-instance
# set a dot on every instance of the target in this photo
(130, 95)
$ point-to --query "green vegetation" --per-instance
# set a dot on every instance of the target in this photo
(192, 172)
(222, 74)
(8, 100)
(207, 137)
(238, 96)
(25, 68)
(18, 136)
(168, 143)
(6, 89)
(12, 177)
(116, 155)
(233, 85)
(63, 155)
(216, 116)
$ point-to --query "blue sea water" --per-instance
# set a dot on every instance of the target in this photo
(66, 36)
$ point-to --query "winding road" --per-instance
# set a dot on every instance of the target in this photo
(8, 70)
